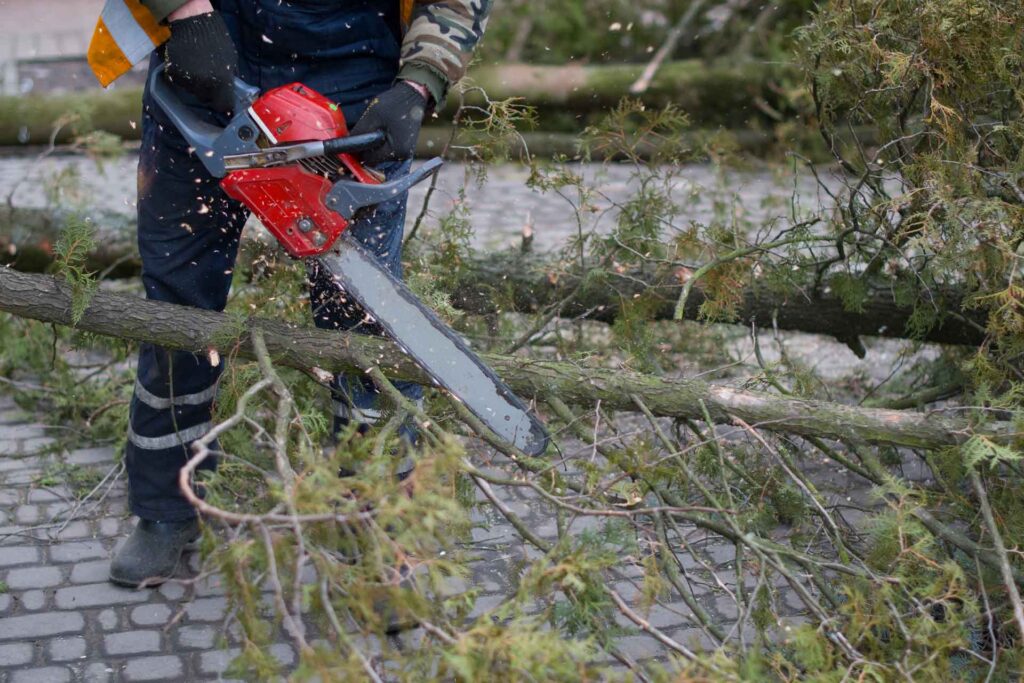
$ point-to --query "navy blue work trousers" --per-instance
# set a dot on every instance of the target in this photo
(189, 230)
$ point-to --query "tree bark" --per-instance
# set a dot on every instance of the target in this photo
(48, 299)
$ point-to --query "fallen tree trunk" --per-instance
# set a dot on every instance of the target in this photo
(48, 299)
(512, 282)
(528, 284)
(727, 94)
(28, 237)
(731, 94)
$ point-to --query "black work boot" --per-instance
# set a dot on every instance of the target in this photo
(151, 554)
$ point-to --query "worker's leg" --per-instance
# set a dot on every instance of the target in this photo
(188, 238)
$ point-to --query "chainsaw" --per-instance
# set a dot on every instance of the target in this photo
(288, 157)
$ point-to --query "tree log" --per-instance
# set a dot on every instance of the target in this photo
(712, 94)
(531, 283)
(125, 317)
(514, 282)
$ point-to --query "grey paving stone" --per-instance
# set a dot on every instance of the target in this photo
(9, 462)
(37, 444)
(107, 619)
(675, 615)
(97, 672)
(32, 600)
(76, 529)
(52, 510)
(5, 602)
(154, 614)
(206, 609)
(640, 647)
(216, 661)
(15, 654)
(67, 649)
(22, 431)
(14, 416)
(210, 585)
(27, 514)
(76, 551)
(97, 595)
(172, 590)
(91, 456)
(48, 674)
(725, 608)
(153, 668)
(90, 572)
(109, 526)
(14, 555)
(33, 577)
(38, 625)
(21, 478)
(197, 637)
(44, 496)
(485, 603)
(9, 497)
(131, 642)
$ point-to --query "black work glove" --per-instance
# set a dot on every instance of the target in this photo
(399, 113)
(202, 60)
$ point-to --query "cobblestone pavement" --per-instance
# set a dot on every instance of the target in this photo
(60, 620)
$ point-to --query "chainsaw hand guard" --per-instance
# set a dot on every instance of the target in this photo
(210, 142)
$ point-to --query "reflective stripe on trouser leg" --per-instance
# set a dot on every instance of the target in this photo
(157, 403)
(161, 431)
(182, 437)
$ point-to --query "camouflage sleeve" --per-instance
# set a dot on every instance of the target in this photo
(440, 40)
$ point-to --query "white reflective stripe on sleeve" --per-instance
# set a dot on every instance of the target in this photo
(364, 415)
(179, 438)
(157, 403)
(131, 38)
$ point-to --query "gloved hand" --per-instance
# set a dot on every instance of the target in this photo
(399, 113)
(202, 59)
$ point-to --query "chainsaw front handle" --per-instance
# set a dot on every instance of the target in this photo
(347, 196)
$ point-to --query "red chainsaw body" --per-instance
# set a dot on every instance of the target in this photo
(290, 200)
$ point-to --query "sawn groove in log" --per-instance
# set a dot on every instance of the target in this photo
(48, 299)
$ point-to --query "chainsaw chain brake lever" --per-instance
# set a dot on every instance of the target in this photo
(347, 197)
(212, 143)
